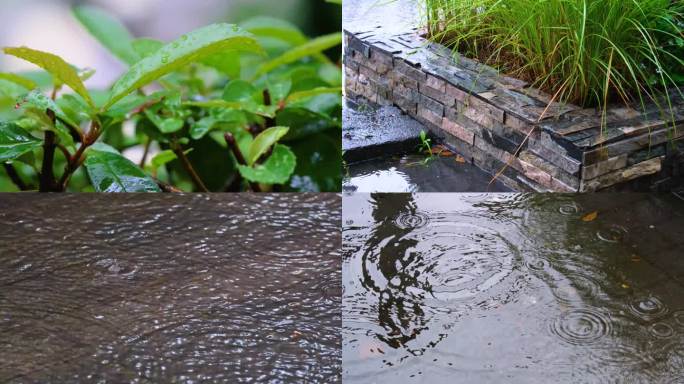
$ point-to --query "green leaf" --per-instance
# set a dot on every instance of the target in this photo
(303, 122)
(41, 78)
(221, 118)
(36, 106)
(239, 91)
(276, 170)
(37, 100)
(271, 27)
(163, 157)
(111, 172)
(227, 62)
(15, 141)
(200, 128)
(279, 88)
(109, 31)
(102, 147)
(264, 141)
(331, 74)
(16, 79)
(74, 107)
(311, 93)
(57, 67)
(261, 110)
(10, 90)
(165, 125)
(189, 48)
(146, 47)
(321, 171)
(131, 102)
(312, 47)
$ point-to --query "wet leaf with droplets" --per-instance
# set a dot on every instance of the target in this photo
(57, 67)
(310, 48)
(146, 47)
(277, 169)
(111, 172)
(196, 46)
(15, 141)
(28, 84)
(264, 141)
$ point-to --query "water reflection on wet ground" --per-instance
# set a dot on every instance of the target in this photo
(418, 173)
(514, 288)
(202, 288)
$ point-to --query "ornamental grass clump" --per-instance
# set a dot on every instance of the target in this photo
(587, 52)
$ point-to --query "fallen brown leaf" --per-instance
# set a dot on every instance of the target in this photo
(460, 159)
(435, 150)
(590, 217)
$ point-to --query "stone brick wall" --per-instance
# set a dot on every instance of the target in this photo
(486, 117)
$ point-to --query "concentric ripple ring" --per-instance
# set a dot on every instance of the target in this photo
(581, 326)
(412, 221)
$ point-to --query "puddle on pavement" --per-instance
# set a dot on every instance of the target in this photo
(514, 288)
(139, 288)
(417, 173)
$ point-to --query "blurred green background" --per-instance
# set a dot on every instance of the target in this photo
(48, 25)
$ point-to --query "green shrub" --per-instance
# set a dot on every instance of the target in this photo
(249, 107)
(589, 52)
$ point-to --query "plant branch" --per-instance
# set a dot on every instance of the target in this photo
(76, 159)
(166, 187)
(65, 151)
(146, 152)
(178, 150)
(14, 176)
(270, 121)
(47, 177)
(55, 90)
(75, 132)
(232, 144)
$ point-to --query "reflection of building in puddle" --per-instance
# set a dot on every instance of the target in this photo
(427, 268)
(386, 260)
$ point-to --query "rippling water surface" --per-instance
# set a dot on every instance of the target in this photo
(202, 288)
(513, 288)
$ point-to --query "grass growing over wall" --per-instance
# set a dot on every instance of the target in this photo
(588, 52)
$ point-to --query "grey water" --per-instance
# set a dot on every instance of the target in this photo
(513, 288)
(193, 288)
(418, 173)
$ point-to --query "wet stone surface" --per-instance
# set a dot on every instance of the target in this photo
(202, 288)
(513, 288)
(373, 132)
(418, 173)
(395, 16)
